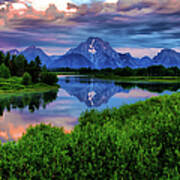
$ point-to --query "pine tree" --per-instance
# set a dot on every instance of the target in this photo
(7, 59)
(1, 57)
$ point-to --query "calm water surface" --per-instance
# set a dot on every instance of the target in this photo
(62, 108)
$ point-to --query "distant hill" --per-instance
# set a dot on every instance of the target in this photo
(14, 52)
(31, 53)
(167, 58)
(128, 61)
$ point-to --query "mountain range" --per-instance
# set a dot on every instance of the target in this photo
(98, 54)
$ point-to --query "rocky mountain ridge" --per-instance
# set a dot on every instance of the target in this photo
(98, 54)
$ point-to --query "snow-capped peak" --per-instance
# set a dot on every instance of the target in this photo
(91, 47)
(98, 52)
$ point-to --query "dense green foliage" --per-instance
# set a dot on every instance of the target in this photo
(4, 71)
(139, 141)
(14, 86)
(12, 65)
(49, 78)
(27, 79)
(18, 65)
(149, 71)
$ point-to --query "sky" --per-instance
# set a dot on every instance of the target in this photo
(141, 27)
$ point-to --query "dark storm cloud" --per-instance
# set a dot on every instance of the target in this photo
(149, 31)
(120, 33)
(19, 39)
(149, 24)
(139, 6)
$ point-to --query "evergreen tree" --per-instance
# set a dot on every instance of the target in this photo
(38, 65)
(12, 66)
(38, 62)
(44, 68)
(7, 59)
(34, 69)
(1, 57)
(20, 65)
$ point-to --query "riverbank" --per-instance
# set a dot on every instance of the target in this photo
(149, 74)
(138, 141)
(65, 73)
(109, 76)
(155, 79)
(13, 86)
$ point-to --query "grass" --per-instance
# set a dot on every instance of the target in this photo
(111, 76)
(66, 73)
(156, 79)
(139, 141)
(13, 86)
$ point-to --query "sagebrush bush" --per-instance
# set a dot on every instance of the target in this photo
(139, 141)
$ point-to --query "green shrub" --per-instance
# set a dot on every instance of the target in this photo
(49, 78)
(44, 158)
(4, 71)
(139, 141)
(27, 79)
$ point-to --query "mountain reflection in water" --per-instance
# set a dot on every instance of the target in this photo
(63, 107)
(95, 92)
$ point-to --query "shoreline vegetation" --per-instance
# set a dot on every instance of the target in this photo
(153, 79)
(118, 143)
(14, 87)
(150, 74)
(158, 79)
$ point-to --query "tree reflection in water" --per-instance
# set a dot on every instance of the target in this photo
(32, 101)
(151, 87)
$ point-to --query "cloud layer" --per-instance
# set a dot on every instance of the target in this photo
(62, 24)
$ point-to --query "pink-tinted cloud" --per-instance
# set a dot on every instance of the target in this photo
(140, 52)
(2, 22)
(136, 93)
(53, 9)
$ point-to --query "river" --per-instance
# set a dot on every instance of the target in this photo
(76, 95)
